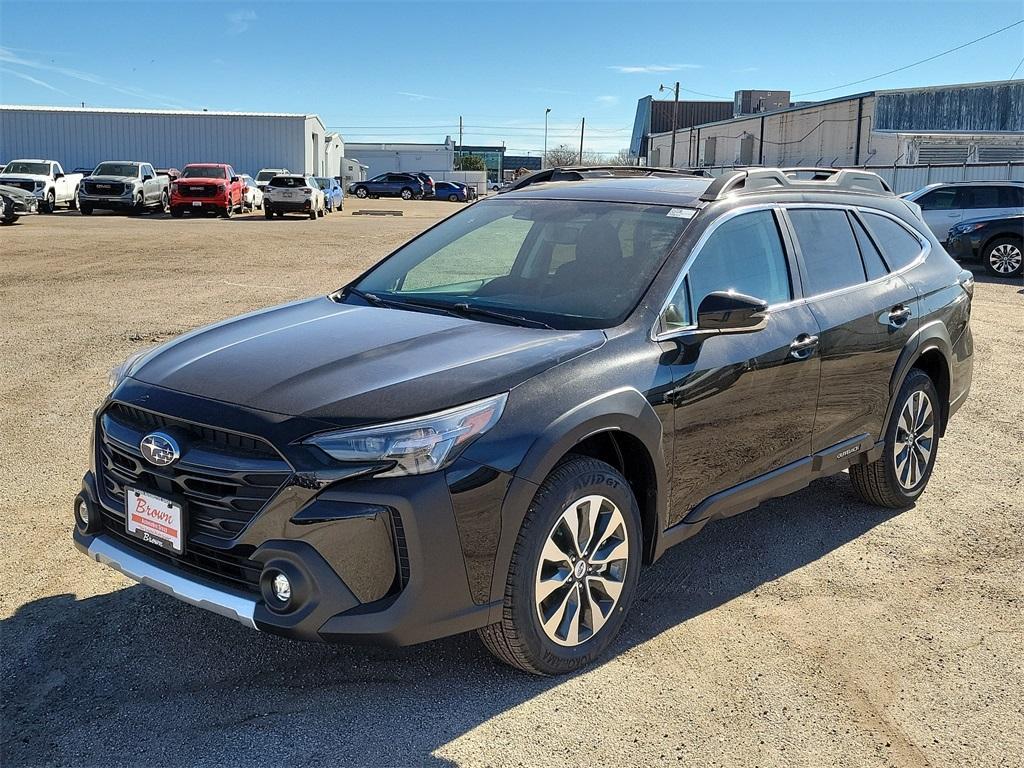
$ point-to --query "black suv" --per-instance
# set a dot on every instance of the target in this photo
(407, 186)
(498, 425)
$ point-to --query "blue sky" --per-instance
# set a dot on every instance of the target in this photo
(407, 71)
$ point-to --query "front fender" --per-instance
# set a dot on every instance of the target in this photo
(624, 411)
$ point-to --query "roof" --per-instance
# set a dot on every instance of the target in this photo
(125, 111)
(655, 190)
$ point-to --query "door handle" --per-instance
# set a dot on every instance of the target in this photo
(803, 346)
(899, 315)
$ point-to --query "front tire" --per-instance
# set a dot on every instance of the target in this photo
(573, 573)
(1004, 257)
(267, 213)
(85, 209)
(51, 202)
(911, 444)
(176, 211)
(362, 193)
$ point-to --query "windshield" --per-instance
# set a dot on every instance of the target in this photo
(569, 264)
(116, 169)
(288, 182)
(203, 172)
(41, 169)
(266, 175)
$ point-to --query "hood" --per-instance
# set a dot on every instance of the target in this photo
(16, 192)
(199, 180)
(353, 365)
(23, 177)
(108, 178)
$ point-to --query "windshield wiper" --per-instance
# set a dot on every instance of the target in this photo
(415, 306)
(369, 298)
(469, 309)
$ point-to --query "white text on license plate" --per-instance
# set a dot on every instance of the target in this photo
(154, 519)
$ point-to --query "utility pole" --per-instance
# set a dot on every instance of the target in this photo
(544, 157)
(675, 116)
(583, 124)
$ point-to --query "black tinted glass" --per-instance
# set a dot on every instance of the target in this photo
(1011, 197)
(288, 182)
(983, 197)
(873, 264)
(938, 200)
(899, 247)
(830, 252)
(744, 255)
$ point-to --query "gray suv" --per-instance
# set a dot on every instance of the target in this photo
(124, 185)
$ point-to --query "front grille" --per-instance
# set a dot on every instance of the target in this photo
(104, 187)
(28, 186)
(225, 479)
(196, 190)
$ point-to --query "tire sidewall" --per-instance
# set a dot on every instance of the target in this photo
(916, 381)
(988, 254)
(594, 478)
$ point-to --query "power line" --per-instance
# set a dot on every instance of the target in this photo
(1015, 69)
(922, 61)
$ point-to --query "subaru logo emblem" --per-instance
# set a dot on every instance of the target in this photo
(160, 449)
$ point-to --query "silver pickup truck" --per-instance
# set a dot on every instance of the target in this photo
(126, 185)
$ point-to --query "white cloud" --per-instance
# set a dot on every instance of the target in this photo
(238, 21)
(651, 68)
(34, 80)
(417, 96)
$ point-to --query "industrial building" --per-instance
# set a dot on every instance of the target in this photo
(83, 137)
(654, 117)
(948, 124)
(385, 157)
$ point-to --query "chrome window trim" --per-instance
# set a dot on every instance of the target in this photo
(926, 249)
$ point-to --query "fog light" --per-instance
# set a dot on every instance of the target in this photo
(282, 588)
(82, 513)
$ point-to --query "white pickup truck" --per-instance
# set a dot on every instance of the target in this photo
(45, 179)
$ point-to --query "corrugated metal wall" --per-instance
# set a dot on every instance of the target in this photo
(965, 109)
(689, 113)
(82, 138)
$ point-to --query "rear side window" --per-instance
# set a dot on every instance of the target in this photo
(899, 247)
(982, 197)
(1011, 197)
(873, 264)
(744, 255)
(830, 253)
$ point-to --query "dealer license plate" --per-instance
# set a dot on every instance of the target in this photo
(196, 204)
(155, 520)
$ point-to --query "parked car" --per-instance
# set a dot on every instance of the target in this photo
(16, 202)
(207, 188)
(449, 190)
(125, 185)
(46, 180)
(998, 242)
(266, 174)
(499, 438)
(334, 196)
(170, 173)
(293, 193)
(403, 185)
(428, 183)
(253, 195)
(948, 203)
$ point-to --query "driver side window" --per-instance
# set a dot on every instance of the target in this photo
(744, 255)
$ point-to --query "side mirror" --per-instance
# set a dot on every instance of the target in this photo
(147, 177)
(731, 313)
(234, 179)
(58, 175)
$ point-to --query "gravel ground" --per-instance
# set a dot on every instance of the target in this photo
(813, 631)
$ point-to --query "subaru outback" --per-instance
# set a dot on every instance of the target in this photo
(500, 424)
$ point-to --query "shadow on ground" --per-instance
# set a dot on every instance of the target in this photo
(136, 678)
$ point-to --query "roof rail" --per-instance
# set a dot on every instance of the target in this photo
(580, 172)
(815, 179)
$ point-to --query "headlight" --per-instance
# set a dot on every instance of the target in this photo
(40, 184)
(416, 446)
(963, 229)
(119, 372)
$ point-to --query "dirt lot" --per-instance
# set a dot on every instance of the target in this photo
(813, 631)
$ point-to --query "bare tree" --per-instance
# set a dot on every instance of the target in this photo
(561, 156)
(622, 157)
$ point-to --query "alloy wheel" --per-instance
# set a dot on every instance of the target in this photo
(1005, 258)
(915, 439)
(581, 571)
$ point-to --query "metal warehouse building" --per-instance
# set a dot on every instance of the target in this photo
(966, 124)
(82, 137)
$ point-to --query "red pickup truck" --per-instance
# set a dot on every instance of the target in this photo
(204, 187)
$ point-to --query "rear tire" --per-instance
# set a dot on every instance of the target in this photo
(176, 212)
(85, 209)
(267, 213)
(900, 475)
(583, 595)
(1004, 257)
(312, 213)
(406, 194)
(73, 202)
(361, 192)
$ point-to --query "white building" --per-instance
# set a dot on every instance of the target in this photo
(386, 157)
(83, 137)
(948, 124)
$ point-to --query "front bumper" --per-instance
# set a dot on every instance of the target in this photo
(198, 203)
(392, 561)
(965, 247)
(112, 202)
